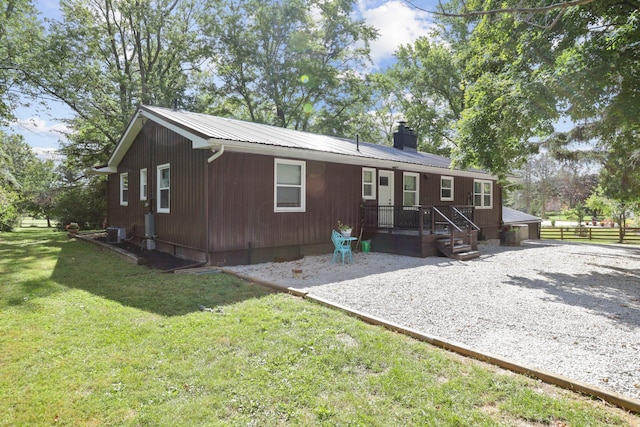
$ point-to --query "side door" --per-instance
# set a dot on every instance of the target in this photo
(385, 199)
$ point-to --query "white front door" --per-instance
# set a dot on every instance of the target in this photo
(385, 198)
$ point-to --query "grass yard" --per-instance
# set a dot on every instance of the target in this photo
(89, 339)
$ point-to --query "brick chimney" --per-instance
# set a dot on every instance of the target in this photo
(405, 138)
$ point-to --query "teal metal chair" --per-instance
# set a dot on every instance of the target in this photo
(342, 246)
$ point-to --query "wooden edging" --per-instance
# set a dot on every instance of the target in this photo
(547, 377)
(105, 246)
(613, 398)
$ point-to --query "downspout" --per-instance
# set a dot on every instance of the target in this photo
(211, 158)
(216, 154)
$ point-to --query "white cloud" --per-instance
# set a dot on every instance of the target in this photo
(39, 132)
(397, 24)
(47, 153)
(40, 126)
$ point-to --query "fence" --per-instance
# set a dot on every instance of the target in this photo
(601, 234)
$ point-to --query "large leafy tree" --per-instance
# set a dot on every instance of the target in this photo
(26, 182)
(40, 188)
(105, 57)
(430, 89)
(285, 62)
(537, 185)
(529, 65)
(620, 181)
(9, 187)
(19, 27)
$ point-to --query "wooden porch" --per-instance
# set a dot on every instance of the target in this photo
(421, 231)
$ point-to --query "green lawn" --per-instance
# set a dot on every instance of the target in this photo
(87, 339)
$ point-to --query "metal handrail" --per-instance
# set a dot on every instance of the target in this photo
(446, 219)
(465, 218)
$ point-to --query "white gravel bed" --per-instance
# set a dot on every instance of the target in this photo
(570, 309)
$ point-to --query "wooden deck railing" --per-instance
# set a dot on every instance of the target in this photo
(423, 219)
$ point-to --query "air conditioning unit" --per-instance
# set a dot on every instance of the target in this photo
(116, 234)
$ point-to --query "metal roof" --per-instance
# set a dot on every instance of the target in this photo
(225, 129)
(512, 216)
(205, 131)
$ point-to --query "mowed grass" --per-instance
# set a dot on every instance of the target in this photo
(88, 339)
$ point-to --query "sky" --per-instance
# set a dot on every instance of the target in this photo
(398, 23)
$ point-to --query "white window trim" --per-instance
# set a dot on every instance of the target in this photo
(124, 176)
(302, 186)
(373, 183)
(417, 190)
(144, 183)
(447, 199)
(158, 180)
(482, 193)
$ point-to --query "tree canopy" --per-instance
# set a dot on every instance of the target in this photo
(488, 87)
(527, 69)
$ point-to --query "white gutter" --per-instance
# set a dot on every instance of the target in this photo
(216, 154)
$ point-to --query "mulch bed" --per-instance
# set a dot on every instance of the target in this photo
(155, 259)
(152, 259)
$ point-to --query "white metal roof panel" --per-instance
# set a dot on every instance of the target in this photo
(512, 216)
(224, 129)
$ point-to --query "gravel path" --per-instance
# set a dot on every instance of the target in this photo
(570, 309)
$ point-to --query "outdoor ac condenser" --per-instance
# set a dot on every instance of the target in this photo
(116, 234)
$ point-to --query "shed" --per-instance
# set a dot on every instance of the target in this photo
(527, 222)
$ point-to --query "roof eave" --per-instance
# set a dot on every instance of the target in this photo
(349, 159)
(133, 129)
(103, 171)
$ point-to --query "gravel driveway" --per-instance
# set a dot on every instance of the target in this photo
(570, 309)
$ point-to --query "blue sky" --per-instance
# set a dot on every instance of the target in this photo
(43, 127)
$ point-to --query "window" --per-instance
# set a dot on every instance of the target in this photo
(368, 184)
(482, 194)
(446, 188)
(143, 184)
(164, 188)
(410, 189)
(289, 186)
(124, 189)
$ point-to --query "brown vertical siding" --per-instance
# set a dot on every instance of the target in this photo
(184, 225)
(229, 202)
(242, 208)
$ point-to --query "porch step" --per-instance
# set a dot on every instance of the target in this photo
(465, 256)
(459, 250)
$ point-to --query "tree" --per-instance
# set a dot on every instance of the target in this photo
(430, 89)
(19, 27)
(8, 189)
(106, 57)
(620, 182)
(528, 66)
(600, 205)
(16, 162)
(285, 62)
(88, 214)
(575, 184)
(39, 189)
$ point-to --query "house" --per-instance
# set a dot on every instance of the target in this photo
(229, 192)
